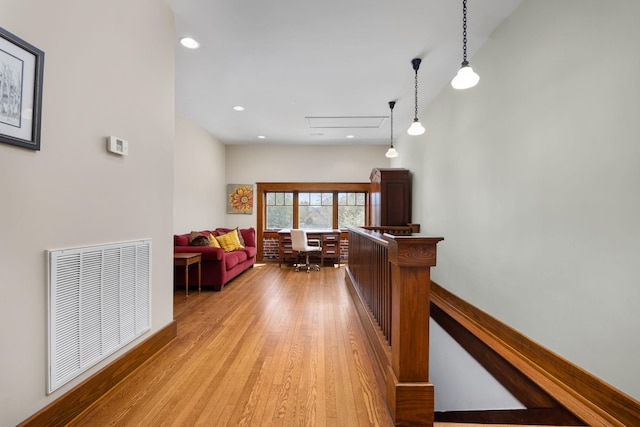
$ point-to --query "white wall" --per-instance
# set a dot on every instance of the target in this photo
(248, 164)
(533, 178)
(199, 190)
(462, 383)
(97, 82)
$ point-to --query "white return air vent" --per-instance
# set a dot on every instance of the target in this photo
(345, 122)
(99, 300)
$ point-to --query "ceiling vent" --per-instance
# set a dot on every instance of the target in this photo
(345, 122)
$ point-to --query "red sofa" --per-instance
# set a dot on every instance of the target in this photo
(218, 266)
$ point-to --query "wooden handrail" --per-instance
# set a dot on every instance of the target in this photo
(396, 230)
(589, 398)
(389, 277)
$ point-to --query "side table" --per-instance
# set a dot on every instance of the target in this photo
(185, 260)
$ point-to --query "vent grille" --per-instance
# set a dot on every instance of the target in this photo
(99, 299)
(345, 122)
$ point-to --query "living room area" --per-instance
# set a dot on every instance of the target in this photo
(172, 181)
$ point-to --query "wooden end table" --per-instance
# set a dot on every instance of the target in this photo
(185, 260)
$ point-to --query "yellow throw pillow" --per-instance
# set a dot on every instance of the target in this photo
(230, 242)
(213, 242)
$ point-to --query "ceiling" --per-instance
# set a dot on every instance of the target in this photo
(315, 72)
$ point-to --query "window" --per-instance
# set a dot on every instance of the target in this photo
(311, 205)
(279, 210)
(351, 209)
(315, 210)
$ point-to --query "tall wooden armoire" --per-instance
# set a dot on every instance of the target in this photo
(390, 197)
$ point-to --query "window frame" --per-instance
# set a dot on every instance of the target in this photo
(294, 196)
(336, 206)
(322, 193)
(303, 187)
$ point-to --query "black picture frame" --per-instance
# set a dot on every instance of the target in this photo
(21, 74)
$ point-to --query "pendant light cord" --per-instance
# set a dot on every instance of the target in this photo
(416, 128)
(416, 96)
(464, 32)
(416, 65)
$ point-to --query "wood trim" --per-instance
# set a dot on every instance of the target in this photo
(541, 409)
(313, 186)
(511, 417)
(590, 399)
(64, 409)
(296, 212)
(521, 387)
(261, 207)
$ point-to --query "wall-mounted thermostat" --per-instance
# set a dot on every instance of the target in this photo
(117, 145)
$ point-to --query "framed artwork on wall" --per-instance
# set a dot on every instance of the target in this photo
(21, 70)
(240, 199)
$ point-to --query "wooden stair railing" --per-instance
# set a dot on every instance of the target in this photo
(389, 279)
(530, 365)
(396, 230)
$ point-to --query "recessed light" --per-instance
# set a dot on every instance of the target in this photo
(350, 136)
(261, 137)
(238, 108)
(190, 43)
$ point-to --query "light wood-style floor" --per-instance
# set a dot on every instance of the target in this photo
(274, 348)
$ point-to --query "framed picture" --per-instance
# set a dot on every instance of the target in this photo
(21, 68)
(240, 199)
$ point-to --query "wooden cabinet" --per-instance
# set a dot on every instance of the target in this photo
(390, 197)
(329, 239)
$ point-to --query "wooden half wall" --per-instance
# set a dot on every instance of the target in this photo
(388, 278)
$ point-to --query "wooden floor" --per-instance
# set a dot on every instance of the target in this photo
(274, 348)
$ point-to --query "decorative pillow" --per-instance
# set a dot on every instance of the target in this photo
(193, 235)
(240, 232)
(230, 242)
(249, 236)
(213, 242)
(240, 237)
(200, 241)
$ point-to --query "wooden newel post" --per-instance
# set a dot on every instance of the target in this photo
(410, 394)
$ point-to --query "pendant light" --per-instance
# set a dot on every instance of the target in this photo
(391, 152)
(416, 128)
(466, 77)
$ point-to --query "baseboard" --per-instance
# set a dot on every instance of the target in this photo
(592, 400)
(64, 409)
